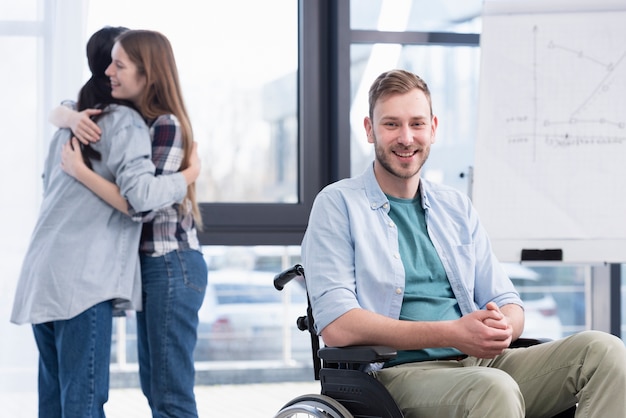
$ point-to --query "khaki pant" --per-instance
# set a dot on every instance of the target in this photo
(588, 368)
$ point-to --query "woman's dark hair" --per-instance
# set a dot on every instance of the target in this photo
(96, 93)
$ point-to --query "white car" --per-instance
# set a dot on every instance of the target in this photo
(542, 320)
(244, 317)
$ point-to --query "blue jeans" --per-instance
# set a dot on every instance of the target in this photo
(173, 288)
(74, 357)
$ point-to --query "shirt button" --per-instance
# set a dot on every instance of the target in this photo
(391, 224)
(398, 291)
(396, 256)
(385, 205)
(373, 205)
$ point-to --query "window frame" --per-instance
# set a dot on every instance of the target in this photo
(284, 223)
(324, 43)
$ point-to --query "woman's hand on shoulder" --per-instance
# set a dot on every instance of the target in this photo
(83, 127)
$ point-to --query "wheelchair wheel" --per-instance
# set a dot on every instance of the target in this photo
(313, 406)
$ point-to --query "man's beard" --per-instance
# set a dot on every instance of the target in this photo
(385, 162)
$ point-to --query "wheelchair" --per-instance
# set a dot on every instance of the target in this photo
(346, 390)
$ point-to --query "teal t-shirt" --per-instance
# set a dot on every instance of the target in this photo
(427, 295)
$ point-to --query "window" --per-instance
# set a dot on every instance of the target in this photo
(21, 37)
(239, 79)
(244, 317)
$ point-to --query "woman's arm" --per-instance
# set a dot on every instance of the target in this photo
(73, 164)
(85, 129)
(192, 172)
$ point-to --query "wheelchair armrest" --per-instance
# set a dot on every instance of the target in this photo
(527, 342)
(380, 353)
(357, 354)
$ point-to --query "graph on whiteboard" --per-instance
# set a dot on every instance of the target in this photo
(551, 149)
(575, 89)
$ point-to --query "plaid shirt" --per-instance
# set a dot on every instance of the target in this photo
(170, 228)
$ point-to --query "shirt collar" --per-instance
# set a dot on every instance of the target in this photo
(374, 193)
(376, 197)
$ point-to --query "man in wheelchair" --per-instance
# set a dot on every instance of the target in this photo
(393, 259)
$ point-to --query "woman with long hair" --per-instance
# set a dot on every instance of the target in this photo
(81, 265)
(174, 273)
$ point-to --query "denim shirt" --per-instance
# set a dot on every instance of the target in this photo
(351, 254)
(83, 251)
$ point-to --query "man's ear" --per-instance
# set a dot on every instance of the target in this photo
(433, 132)
(369, 129)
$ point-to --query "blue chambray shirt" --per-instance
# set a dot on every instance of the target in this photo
(351, 254)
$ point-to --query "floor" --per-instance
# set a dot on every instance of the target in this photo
(231, 401)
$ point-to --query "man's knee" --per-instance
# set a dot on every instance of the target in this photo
(601, 343)
(478, 392)
(495, 391)
(609, 349)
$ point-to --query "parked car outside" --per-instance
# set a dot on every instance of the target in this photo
(542, 320)
(244, 317)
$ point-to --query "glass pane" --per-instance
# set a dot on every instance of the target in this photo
(462, 16)
(19, 10)
(243, 316)
(239, 78)
(554, 298)
(452, 76)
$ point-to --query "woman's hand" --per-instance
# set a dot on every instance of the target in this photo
(72, 159)
(73, 164)
(192, 172)
(85, 129)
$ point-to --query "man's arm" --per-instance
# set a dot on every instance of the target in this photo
(515, 317)
(483, 333)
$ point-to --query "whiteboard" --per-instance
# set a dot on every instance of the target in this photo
(550, 163)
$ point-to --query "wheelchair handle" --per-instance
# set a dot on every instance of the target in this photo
(282, 278)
